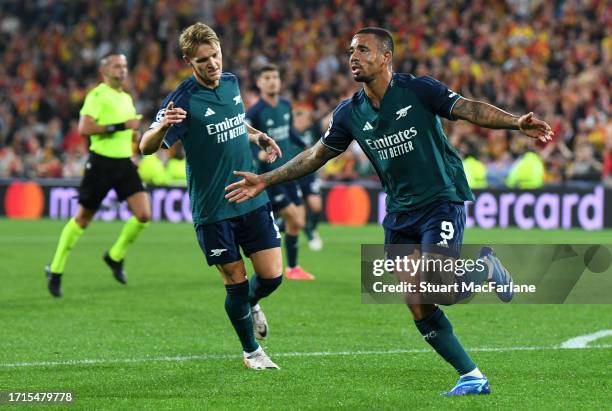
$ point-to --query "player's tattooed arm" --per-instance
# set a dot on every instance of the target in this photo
(304, 163)
(484, 114)
(489, 116)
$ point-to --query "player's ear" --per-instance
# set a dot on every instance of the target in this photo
(387, 58)
(186, 60)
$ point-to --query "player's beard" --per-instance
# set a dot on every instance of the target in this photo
(362, 78)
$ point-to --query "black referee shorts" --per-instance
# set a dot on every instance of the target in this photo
(104, 173)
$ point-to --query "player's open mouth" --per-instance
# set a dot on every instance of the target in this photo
(355, 69)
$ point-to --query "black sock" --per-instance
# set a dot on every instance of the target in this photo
(438, 332)
(239, 312)
(308, 227)
(314, 220)
(262, 287)
(291, 248)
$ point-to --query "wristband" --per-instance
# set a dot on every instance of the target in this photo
(111, 128)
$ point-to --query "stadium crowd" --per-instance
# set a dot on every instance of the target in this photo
(552, 57)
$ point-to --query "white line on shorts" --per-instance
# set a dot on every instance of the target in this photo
(211, 357)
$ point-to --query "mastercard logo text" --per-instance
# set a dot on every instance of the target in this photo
(347, 205)
(24, 200)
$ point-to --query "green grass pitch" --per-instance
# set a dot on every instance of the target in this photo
(163, 341)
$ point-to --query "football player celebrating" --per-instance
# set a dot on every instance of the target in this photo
(395, 120)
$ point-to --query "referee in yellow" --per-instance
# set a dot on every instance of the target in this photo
(109, 118)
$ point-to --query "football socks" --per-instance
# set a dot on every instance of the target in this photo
(70, 234)
(131, 230)
(438, 332)
(291, 248)
(239, 312)
(262, 287)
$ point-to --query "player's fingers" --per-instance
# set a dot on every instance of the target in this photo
(234, 195)
(170, 105)
(235, 186)
(242, 199)
(244, 174)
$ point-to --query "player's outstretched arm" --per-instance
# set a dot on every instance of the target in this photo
(304, 163)
(489, 116)
(152, 138)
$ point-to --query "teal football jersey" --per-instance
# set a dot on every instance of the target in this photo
(216, 143)
(405, 141)
(276, 122)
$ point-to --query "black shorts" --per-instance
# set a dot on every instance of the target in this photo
(310, 185)
(103, 174)
(253, 231)
(437, 227)
(284, 194)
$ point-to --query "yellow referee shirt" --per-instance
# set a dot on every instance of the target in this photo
(109, 106)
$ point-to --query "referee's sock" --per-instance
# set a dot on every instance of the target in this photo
(438, 332)
(238, 310)
(70, 234)
(129, 233)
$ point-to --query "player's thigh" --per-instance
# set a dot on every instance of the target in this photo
(256, 232)
(140, 205)
(268, 263)
(218, 243)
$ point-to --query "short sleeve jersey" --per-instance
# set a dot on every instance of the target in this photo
(277, 123)
(107, 106)
(216, 144)
(405, 141)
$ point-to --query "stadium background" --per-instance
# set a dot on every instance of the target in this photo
(550, 57)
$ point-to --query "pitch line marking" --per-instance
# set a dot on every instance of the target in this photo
(210, 357)
(582, 341)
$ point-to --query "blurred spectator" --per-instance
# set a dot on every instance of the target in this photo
(152, 170)
(528, 170)
(475, 169)
(176, 167)
(585, 168)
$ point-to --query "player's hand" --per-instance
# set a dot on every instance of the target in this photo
(535, 128)
(173, 115)
(249, 187)
(267, 144)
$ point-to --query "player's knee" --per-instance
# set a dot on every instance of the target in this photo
(82, 220)
(143, 216)
(420, 311)
(314, 204)
(299, 223)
